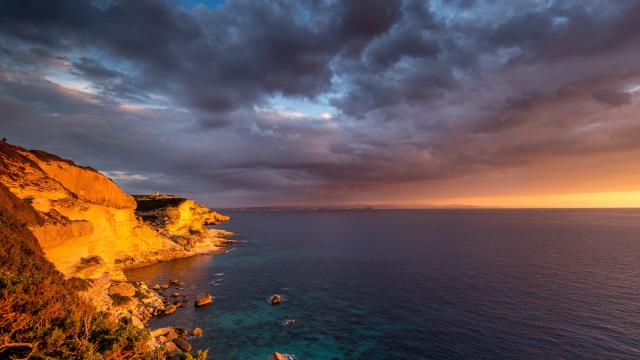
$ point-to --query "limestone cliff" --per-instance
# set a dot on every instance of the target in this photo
(90, 226)
(176, 217)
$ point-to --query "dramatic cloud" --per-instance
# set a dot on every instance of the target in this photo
(294, 102)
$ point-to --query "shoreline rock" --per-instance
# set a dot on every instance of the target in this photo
(276, 300)
(204, 300)
(279, 356)
(91, 230)
(173, 338)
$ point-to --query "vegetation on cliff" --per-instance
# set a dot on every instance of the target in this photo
(41, 314)
(62, 229)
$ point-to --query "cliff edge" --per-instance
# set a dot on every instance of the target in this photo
(89, 227)
(41, 315)
(68, 230)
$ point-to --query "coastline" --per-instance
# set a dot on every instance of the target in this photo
(218, 243)
(166, 298)
(165, 287)
(89, 231)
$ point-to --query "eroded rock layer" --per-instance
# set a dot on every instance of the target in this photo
(89, 225)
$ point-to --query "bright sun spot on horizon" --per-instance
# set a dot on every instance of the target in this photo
(618, 199)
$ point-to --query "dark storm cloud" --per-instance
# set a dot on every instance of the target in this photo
(407, 38)
(91, 68)
(219, 60)
(613, 97)
(170, 98)
(567, 29)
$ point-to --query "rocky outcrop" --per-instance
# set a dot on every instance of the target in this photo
(89, 229)
(174, 339)
(60, 220)
(42, 314)
(122, 289)
(176, 217)
(90, 225)
(85, 214)
(183, 221)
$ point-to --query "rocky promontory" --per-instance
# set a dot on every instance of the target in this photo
(91, 227)
(90, 230)
(183, 222)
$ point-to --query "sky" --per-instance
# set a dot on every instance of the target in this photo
(408, 103)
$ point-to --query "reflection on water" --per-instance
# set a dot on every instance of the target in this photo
(442, 284)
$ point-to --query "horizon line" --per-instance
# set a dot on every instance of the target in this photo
(461, 207)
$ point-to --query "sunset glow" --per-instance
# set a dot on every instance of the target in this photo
(622, 199)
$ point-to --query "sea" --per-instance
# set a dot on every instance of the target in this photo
(417, 284)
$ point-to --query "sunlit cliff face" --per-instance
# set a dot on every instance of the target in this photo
(404, 103)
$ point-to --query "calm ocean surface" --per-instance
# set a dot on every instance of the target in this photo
(441, 284)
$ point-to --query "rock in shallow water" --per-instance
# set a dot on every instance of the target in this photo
(197, 332)
(172, 349)
(170, 309)
(183, 344)
(171, 335)
(278, 356)
(204, 300)
(276, 299)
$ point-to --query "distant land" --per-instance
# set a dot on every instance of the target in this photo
(353, 207)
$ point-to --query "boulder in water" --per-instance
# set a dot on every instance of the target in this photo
(278, 356)
(171, 348)
(170, 309)
(183, 344)
(276, 300)
(197, 332)
(172, 335)
(204, 300)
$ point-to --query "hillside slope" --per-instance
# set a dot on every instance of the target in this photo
(41, 314)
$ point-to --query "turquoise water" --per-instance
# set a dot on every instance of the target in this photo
(472, 284)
